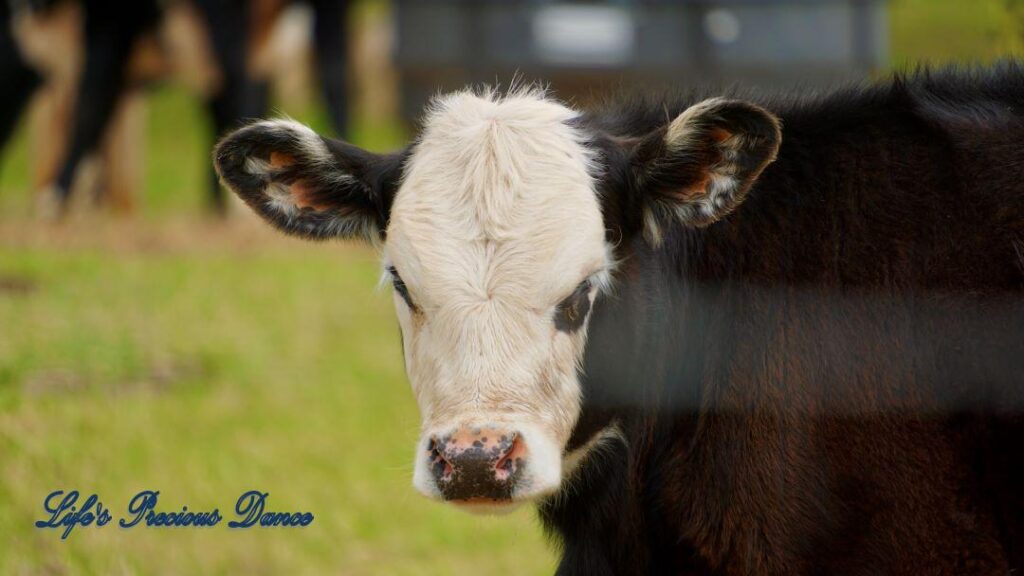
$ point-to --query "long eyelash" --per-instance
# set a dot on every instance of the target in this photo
(400, 287)
(583, 288)
(385, 278)
(571, 312)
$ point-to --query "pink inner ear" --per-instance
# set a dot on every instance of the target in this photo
(301, 195)
(698, 189)
(281, 160)
(720, 135)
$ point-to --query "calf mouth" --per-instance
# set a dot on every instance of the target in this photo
(487, 506)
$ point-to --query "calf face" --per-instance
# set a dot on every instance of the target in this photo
(493, 234)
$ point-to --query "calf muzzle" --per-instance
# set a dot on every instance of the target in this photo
(477, 464)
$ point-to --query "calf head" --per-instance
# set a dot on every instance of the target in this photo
(495, 237)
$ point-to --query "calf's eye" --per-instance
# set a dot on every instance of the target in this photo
(400, 287)
(572, 311)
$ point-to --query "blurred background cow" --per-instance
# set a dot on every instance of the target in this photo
(87, 62)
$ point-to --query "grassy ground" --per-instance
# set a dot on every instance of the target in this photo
(176, 353)
(204, 361)
(965, 31)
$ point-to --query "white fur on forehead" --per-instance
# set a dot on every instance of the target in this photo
(504, 154)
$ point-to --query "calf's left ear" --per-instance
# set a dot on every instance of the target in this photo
(699, 167)
(308, 185)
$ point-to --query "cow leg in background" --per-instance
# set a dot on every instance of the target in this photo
(330, 33)
(110, 33)
(240, 96)
(20, 81)
(123, 157)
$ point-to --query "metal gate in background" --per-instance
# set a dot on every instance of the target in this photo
(583, 48)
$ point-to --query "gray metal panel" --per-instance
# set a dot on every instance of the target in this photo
(444, 44)
(772, 35)
(430, 33)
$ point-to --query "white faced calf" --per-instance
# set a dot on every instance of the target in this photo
(492, 230)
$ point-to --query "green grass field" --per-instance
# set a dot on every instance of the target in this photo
(204, 362)
(202, 359)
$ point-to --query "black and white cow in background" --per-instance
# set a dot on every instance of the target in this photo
(703, 347)
(110, 34)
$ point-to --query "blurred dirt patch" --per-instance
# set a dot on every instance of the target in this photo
(17, 285)
(159, 377)
(241, 234)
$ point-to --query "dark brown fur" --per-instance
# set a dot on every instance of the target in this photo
(830, 380)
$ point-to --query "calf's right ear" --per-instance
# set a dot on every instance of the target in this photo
(308, 185)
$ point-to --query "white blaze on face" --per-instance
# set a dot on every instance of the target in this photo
(496, 222)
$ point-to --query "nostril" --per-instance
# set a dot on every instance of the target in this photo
(512, 458)
(440, 465)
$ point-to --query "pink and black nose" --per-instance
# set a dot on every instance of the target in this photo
(473, 464)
